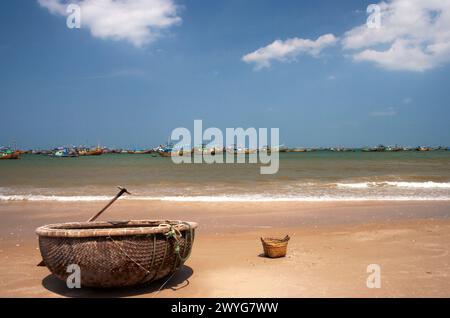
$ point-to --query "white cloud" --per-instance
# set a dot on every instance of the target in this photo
(287, 50)
(384, 113)
(136, 21)
(54, 6)
(331, 77)
(414, 34)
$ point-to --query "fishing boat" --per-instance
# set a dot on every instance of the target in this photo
(212, 151)
(282, 148)
(64, 153)
(106, 150)
(185, 150)
(90, 152)
(82, 152)
(169, 151)
(265, 149)
(243, 151)
(393, 148)
(164, 153)
(379, 148)
(142, 152)
(248, 151)
(423, 148)
(200, 150)
(7, 153)
(339, 149)
(95, 152)
(298, 150)
(232, 149)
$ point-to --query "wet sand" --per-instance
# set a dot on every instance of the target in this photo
(331, 246)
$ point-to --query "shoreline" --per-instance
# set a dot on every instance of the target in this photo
(330, 248)
(211, 199)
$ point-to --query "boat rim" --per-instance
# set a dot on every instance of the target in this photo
(113, 228)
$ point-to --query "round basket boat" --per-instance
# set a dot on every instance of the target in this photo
(116, 254)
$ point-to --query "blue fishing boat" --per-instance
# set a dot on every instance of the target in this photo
(169, 150)
(64, 153)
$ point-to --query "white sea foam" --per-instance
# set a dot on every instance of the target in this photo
(57, 198)
(301, 199)
(229, 198)
(360, 185)
(421, 185)
(399, 184)
(356, 191)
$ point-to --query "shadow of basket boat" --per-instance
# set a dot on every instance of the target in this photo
(179, 280)
(116, 254)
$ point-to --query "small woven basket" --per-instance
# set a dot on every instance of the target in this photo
(116, 254)
(274, 247)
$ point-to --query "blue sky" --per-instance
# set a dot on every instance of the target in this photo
(62, 86)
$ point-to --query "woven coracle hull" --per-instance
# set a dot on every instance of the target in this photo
(112, 254)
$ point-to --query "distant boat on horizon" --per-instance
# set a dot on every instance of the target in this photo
(8, 153)
(90, 152)
(423, 148)
(64, 153)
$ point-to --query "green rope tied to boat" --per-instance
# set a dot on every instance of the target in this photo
(176, 235)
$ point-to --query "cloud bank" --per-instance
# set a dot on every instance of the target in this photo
(136, 21)
(288, 50)
(414, 34)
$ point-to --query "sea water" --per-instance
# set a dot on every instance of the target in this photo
(312, 176)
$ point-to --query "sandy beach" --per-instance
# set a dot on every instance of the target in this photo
(331, 246)
(323, 121)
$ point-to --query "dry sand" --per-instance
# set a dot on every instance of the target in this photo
(331, 246)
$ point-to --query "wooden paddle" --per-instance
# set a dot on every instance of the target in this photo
(118, 195)
(95, 216)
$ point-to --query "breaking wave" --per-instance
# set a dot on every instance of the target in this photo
(399, 184)
(223, 198)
